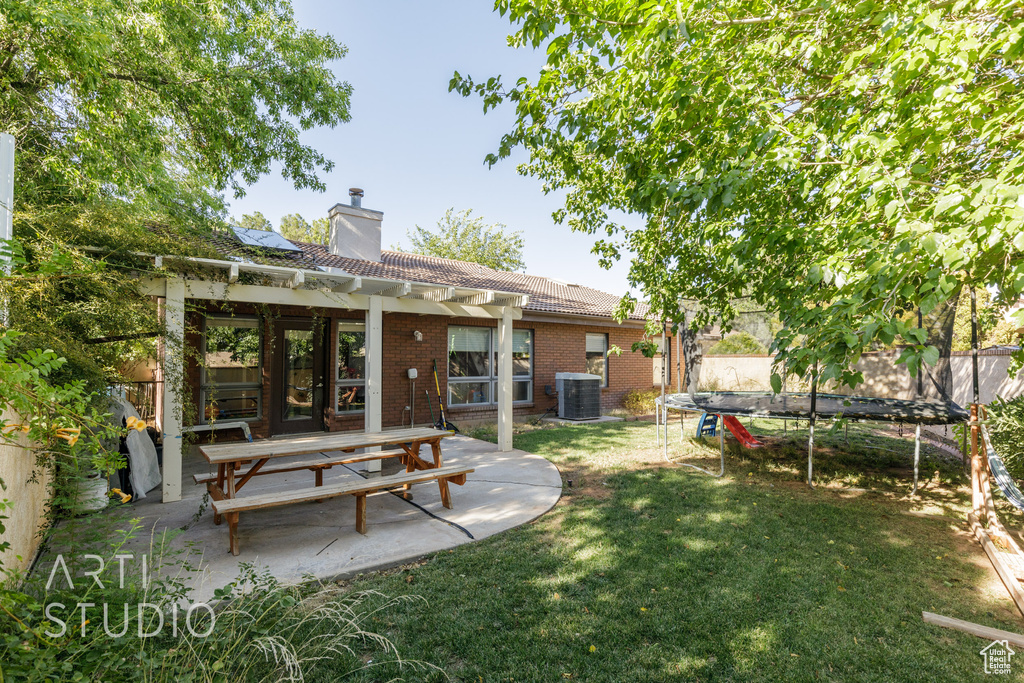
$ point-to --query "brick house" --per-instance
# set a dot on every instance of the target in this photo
(295, 337)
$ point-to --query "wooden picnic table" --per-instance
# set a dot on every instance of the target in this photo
(230, 458)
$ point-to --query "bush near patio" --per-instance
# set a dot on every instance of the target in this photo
(640, 401)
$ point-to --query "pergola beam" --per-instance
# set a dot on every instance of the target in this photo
(291, 277)
(479, 299)
(353, 284)
(437, 294)
(399, 290)
(515, 300)
(342, 282)
(208, 290)
(335, 283)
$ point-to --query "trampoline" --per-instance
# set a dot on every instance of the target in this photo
(792, 406)
(921, 399)
(804, 406)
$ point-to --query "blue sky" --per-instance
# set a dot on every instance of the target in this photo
(417, 149)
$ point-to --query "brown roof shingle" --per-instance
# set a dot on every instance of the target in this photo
(547, 295)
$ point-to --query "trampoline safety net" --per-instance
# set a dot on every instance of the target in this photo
(925, 399)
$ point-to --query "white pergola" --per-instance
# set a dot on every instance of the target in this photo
(331, 288)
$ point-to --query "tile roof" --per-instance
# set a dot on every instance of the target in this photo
(547, 295)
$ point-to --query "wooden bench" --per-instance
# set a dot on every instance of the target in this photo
(315, 464)
(231, 507)
(214, 426)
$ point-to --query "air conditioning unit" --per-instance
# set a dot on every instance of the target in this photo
(579, 395)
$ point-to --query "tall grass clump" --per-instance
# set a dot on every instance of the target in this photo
(256, 628)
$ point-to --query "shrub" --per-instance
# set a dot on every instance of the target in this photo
(640, 401)
(1006, 427)
(738, 343)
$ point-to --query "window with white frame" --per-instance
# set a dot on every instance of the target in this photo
(473, 366)
(231, 386)
(597, 356)
(351, 366)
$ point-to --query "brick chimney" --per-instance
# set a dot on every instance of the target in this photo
(355, 231)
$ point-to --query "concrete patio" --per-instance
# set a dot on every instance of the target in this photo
(319, 539)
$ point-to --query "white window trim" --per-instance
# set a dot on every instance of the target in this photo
(205, 386)
(340, 383)
(492, 379)
(605, 381)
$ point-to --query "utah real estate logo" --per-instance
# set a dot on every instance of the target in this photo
(997, 656)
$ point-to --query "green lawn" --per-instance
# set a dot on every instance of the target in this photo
(652, 572)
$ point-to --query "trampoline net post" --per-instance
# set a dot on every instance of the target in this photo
(810, 437)
(664, 371)
(917, 456)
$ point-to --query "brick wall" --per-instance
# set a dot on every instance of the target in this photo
(558, 347)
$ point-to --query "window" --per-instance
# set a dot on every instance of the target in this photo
(473, 365)
(351, 367)
(597, 356)
(232, 373)
(522, 365)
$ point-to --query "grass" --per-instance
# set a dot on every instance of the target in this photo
(646, 571)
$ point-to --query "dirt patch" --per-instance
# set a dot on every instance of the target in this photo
(583, 481)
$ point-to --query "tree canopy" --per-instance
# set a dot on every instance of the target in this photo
(295, 227)
(131, 120)
(840, 163)
(465, 237)
(255, 221)
(164, 104)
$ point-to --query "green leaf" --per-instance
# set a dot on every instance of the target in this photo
(947, 201)
(891, 208)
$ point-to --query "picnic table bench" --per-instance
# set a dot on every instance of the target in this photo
(231, 458)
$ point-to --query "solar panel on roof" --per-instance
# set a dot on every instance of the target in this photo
(265, 239)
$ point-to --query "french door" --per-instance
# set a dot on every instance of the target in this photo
(298, 378)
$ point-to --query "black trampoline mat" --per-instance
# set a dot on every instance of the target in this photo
(798, 405)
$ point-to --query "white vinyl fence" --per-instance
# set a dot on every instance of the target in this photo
(29, 495)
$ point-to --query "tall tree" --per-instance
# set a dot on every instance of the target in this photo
(840, 162)
(162, 103)
(295, 227)
(130, 114)
(255, 221)
(465, 237)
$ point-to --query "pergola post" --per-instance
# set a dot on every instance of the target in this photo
(505, 380)
(374, 371)
(173, 377)
(6, 202)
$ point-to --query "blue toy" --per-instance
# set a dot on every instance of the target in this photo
(707, 425)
